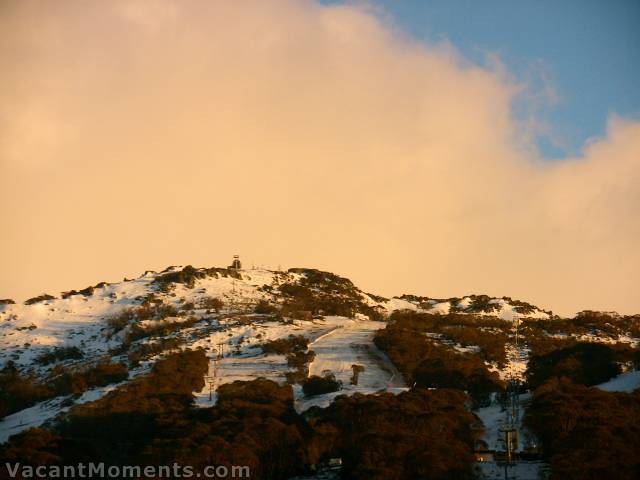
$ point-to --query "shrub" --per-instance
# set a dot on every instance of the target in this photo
(187, 276)
(586, 433)
(118, 322)
(169, 385)
(418, 434)
(188, 306)
(300, 360)
(59, 354)
(148, 311)
(145, 350)
(429, 364)
(543, 344)
(583, 363)
(283, 346)
(17, 391)
(40, 298)
(63, 381)
(105, 373)
(160, 329)
(211, 303)
(87, 292)
(316, 385)
(482, 303)
(263, 307)
(323, 293)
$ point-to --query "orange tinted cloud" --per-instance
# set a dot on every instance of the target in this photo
(135, 135)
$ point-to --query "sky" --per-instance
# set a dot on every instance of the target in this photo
(434, 148)
(584, 52)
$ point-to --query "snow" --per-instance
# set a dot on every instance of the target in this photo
(338, 343)
(38, 414)
(509, 312)
(590, 337)
(521, 470)
(350, 344)
(503, 310)
(401, 304)
(464, 303)
(442, 308)
(29, 330)
(625, 382)
(494, 417)
(75, 321)
(517, 360)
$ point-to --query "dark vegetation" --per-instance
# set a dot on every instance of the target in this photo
(59, 354)
(491, 343)
(211, 303)
(19, 391)
(299, 362)
(427, 363)
(482, 303)
(40, 298)
(161, 328)
(587, 433)
(490, 334)
(419, 434)
(263, 307)
(166, 322)
(189, 275)
(588, 322)
(316, 385)
(63, 381)
(87, 292)
(479, 303)
(284, 346)
(584, 363)
(324, 293)
(541, 344)
(148, 311)
(143, 351)
(151, 421)
(294, 348)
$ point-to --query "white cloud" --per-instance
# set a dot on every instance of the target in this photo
(293, 133)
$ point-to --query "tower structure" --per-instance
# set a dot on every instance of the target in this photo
(236, 264)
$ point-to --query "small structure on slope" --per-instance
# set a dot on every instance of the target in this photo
(236, 264)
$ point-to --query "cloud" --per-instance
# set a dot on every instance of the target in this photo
(134, 135)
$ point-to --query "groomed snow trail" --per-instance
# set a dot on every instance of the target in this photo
(339, 349)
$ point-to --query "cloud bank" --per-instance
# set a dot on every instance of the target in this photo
(139, 134)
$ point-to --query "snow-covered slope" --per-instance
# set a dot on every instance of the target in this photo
(625, 382)
(79, 319)
(216, 309)
(482, 305)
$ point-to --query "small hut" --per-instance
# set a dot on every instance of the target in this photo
(236, 264)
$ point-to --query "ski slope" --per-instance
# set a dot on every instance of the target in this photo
(350, 344)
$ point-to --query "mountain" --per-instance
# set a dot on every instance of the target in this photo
(80, 318)
(312, 330)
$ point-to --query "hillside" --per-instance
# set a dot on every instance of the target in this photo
(313, 330)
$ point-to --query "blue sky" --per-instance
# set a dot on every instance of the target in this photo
(587, 50)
